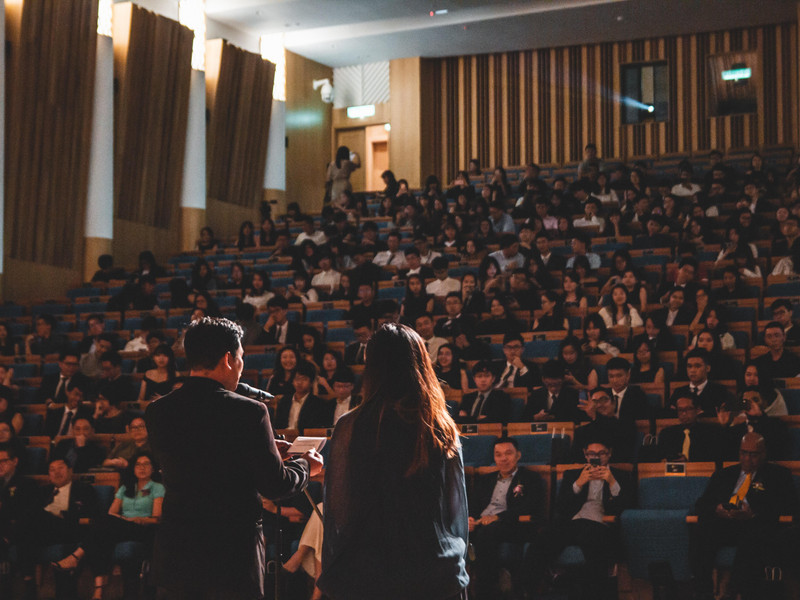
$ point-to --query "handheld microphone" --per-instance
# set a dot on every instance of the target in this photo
(253, 392)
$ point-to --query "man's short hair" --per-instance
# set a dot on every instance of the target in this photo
(97, 316)
(208, 340)
(504, 439)
(584, 239)
(781, 303)
(425, 315)
(618, 363)
(113, 357)
(773, 325)
(513, 336)
(278, 302)
(507, 240)
(702, 353)
(344, 375)
(369, 226)
(694, 400)
(394, 233)
(411, 250)
(440, 262)
(454, 295)
(109, 392)
(9, 449)
(307, 369)
(359, 323)
(688, 260)
(482, 366)
(553, 369)
(105, 261)
(47, 318)
(63, 356)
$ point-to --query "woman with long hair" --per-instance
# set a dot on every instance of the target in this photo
(340, 169)
(646, 368)
(417, 301)
(618, 310)
(160, 380)
(448, 368)
(282, 378)
(396, 520)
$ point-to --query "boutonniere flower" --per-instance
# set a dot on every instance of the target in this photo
(757, 486)
(518, 491)
(11, 491)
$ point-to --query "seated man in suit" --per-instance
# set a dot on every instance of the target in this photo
(279, 330)
(18, 498)
(109, 417)
(95, 326)
(355, 353)
(748, 414)
(513, 372)
(59, 421)
(343, 385)
(631, 401)
(690, 440)
(487, 405)
(60, 506)
(778, 362)
(586, 496)
(556, 401)
(79, 451)
(90, 360)
(414, 265)
(710, 395)
(741, 506)
(601, 409)
(54, 386)
(121, 388)
(303, 410)
(782, 311)
(424, 327)
(457, 323)
(495, 506)
(367, 309)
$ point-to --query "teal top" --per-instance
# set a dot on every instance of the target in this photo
(140, 505)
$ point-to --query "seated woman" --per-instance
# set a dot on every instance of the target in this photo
(714, 319)
(109, 417)
(309, 552)
(619, 311)
(207, 241)
(645, 364)
(203, 279)
(753, 378)
(448, 368)
(8, 344)
(280, 383)
(246, 237)
(301, 291)
(122, 452)
(595, 337)
(330, 365)
(8, 413)
(416, 302)
(311, 346)
(500, 321)
(159, 381)
(578, 371)
(133, 514)
(237, 279)
(552, 317)
(258, 294)
(572, 295)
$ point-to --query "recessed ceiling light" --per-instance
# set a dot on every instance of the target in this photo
(620, 18)
(437, 13)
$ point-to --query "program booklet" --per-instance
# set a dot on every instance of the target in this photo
(303, 444)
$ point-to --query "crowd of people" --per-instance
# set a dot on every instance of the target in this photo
(497, 265)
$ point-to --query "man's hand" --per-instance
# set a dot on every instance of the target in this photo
(743, 513)
(585, 476)
(472, 523)
(80, 441)
(588, 407)
(542, 415)
(488, 519)
(517, 362)
(283, 448)
(315, 462)
(605, 474)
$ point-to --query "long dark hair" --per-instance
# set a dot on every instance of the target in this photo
(398, 376)
(129, 479)
(343, 153)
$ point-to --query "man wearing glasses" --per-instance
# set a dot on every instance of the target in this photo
(587, 495)
(601, 409)
(741, 507)
(513, 372)
(54, 386)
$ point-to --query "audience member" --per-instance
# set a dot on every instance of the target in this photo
(690, 440)
(487, 404)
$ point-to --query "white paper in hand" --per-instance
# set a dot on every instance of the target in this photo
(303, 444)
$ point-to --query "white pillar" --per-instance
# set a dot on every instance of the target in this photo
(275, 173)
(194, 162)
(100, 197)
(2, 131)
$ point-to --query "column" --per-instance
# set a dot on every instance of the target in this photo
(193, 198)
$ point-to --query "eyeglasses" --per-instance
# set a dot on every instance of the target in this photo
(144, 464)
(137, 427)
(600, 454)
(513, 346)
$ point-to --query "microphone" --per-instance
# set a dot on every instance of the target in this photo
(253, 392)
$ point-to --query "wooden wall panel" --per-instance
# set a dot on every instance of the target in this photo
(152, 65)
(50, 89)
(239, 101)
(545, 105)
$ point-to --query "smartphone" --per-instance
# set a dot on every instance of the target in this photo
(595, 461)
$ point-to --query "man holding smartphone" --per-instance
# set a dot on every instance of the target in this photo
(587, 495)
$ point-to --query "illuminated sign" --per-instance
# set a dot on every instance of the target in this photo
(361, 112)
(737, 74)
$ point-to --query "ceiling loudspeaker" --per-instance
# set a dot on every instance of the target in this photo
(325, 89)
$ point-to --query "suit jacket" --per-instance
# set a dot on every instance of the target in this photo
(19, 501)
(569, 503)
(634, 405)
(80, 459)
(705, 442)
(530, 379)
(83, 501)
(684, 316)
(525, 496)
(771, 494)
(294, 335)
(556, 262)
(713, 396)
(565, 408)
(315, 414)
(448, 328)
(496, 407)
(351, 354)
(218, 457)
(774, 431)
(53, 417)
(49, 384)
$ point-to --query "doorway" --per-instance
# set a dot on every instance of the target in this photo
(372, 145)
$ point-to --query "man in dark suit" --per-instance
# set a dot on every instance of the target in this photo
(631, 401)
(496, 505)
(355, 353)
(710, 395)
(740, 507)
(54, 386)
(218, 456)
(586, 496)
(684, 280)
(368, 308)
(344, 399)
(114, 384)
(457, 323)
(18, 500)
(748, 414)
(58, 421)
(487, 405)
(553, 262)
(556, 401)
(513, 372)
(80, 451)
(279, 330)
(690, 440)
(303, 410)
(619, 434)
(60, 507)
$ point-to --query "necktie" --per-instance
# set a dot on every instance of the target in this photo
(686, 443)
(693, 390)
(740, 494)
(478, 406)
(616, 401)
(509, 377)
(360, 355)
(391, 258)
(553, 400)
(59, 388)
(67, 422)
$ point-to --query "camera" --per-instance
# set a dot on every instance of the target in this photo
(738, 405)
